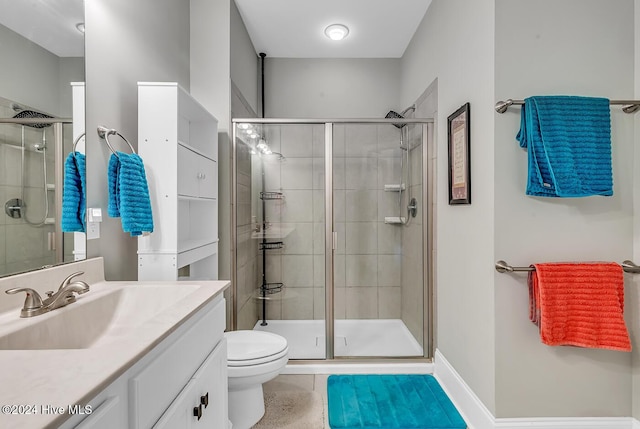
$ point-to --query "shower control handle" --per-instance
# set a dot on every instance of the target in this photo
(197, 411)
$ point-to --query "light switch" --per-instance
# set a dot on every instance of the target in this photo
(94, 217)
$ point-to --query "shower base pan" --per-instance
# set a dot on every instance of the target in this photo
(353, 338)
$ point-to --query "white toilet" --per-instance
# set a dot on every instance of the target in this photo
(253, 358)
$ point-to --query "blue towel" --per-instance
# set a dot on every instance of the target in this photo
(74, 198)
(568, 140)
(129, 193)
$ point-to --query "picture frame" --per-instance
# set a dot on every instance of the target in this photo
(459, 141)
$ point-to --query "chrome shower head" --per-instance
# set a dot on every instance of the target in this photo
(31, 114)
(395, 115)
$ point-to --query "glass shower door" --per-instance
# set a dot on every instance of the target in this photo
(378, 282)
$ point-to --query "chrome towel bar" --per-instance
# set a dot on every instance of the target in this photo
(503, 267)
(104, 133)
(629, 106)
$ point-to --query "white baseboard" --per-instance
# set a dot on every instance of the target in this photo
(478, 416)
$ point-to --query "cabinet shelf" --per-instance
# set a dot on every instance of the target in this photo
(195, 150)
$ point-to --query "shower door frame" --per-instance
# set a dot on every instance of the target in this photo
(428, 190)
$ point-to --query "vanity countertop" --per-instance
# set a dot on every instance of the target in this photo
(39, 382)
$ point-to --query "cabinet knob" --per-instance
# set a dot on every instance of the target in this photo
(204, 400)
(197, 412)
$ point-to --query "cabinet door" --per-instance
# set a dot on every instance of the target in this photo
(208, 175)
(106, 416)
(205, 394)
(188, 172)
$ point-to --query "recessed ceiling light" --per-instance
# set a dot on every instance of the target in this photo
(80, 27)
(336, 31)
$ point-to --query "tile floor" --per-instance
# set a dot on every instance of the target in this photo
(307, 382)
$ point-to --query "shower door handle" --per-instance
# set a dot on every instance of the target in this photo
(334, 245)
(51, 241)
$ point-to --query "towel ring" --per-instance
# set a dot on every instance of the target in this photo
(76, 141)
(104, 133)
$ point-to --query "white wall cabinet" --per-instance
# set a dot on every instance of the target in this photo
(185, 372)
(178, 142)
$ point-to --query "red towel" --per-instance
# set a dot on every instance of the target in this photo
(579, 305)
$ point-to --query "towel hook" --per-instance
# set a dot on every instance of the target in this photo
(104, 133)
(75, 142)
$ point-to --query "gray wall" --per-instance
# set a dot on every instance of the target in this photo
(244, 60)
(460, 57)
(331, 88)
(125, 43)
(537, 52)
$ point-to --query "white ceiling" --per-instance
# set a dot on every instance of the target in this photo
(295, 28)
(49, 23)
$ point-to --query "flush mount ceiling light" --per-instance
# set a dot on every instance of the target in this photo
(336, 31)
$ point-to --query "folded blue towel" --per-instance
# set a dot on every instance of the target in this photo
(568, 140)
(129, 193)
(74, 193)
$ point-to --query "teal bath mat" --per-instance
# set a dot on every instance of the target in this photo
(390, 402)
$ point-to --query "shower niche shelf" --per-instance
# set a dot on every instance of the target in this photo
(271, 196)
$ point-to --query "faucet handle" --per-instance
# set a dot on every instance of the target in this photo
(31, 302)
(66, 281)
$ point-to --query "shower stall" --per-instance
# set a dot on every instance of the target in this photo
(31, 145)
(332, 235)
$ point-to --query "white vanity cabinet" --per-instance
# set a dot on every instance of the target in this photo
(181, 378)
(178, 142)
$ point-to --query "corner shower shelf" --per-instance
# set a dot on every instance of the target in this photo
(273, 245)
(394, 187)
(271, 195)
(271, 288)
(273, 232)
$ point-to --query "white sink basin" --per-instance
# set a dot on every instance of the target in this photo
(97, 317)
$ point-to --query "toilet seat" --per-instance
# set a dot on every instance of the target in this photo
(249, 348)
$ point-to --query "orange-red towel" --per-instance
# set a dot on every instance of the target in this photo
(579, 305)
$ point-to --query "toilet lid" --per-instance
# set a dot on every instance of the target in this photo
(252, 345)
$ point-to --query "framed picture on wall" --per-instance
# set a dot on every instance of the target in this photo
(459, 133)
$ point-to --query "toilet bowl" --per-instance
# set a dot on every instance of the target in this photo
(253, 358)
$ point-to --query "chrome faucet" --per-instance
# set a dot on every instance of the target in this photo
(34, 305)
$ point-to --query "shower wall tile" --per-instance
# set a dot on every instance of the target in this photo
(340, 270)
(339, 173)
(318, 238)
(3, 200)
(273, 306)
(389, 302)
(3, 156)
(272, 176)
(318, 303)
(318, 271)
(339, 202)
(298, 206)
(299, 241)
(340, 303)
(244, 194)
(297, 270)
(388, 140)
(416, 165)
(3, 238)
(298, 304)
(361, 173)
(243, 245)
(296, 141)
(318, 140)
(274, 269)
(361, 140)
(361, 270)
(339, 131)
(362, 238)
(362, 303)
(296, 173)
(389, 172)
(12, 171)
(389, 239)
(362, 205)
(318, 173)
(24, 243)
(247, 315)
(388, 205)
(389, 270)
(273, 210)
(272, 134)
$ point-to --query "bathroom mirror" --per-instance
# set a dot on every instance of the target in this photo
(42, 51)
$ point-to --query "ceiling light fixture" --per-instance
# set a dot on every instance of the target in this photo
(336, 31)
(80, 27)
